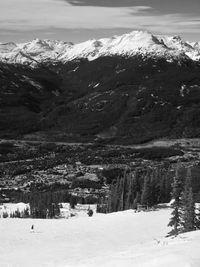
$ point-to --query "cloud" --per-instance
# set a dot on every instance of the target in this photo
(50, 13)
(30, 15)
(105, 3)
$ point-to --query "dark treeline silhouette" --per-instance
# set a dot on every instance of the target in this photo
(47, 204)
(44, 205)
(146, 187)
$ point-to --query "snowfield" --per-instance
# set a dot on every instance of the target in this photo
(117, 239)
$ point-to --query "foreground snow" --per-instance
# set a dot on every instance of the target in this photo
(117, 239)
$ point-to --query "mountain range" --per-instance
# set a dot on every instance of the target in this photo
(134, 43)
(125, 89)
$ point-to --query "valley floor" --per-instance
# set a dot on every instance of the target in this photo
(117, 239)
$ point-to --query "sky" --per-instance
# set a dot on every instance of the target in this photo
(80, 20)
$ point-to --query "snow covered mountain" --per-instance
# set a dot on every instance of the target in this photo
(127, 45)
(148, 84)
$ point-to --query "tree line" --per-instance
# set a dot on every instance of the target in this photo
(152, 186)
(46, 204)
(145, 187)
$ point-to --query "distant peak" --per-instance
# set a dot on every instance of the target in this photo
(136, 42)
(177, 38)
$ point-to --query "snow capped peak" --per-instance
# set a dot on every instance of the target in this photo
(134, 43)
(140, 37)
(42, 46)
(7, 47)
(141, 43)
(36, 46)
(176, 38)
(196, 45)
(134, 40)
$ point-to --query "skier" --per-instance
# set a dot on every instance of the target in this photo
(90, 212)
(32, 228)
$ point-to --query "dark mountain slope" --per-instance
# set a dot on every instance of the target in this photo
(128, 100)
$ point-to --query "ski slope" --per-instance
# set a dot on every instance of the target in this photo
(113, 240)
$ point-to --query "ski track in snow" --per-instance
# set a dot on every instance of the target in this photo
(112, 240)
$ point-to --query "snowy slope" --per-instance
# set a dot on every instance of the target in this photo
(112, 240)
(134, 43)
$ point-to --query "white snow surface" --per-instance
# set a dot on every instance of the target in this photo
(130, 44)
(125, 239)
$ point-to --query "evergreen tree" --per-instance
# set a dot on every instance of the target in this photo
(122, 193)
(164, 186)
(137, 200)
(5, 214)
(123, 190)
(154, 186)
(26, 212)
(130, 193)
(17, 214)
(113, 200)
(73, 202)
(175, 221)
(188, 205)
(198, 219)
(146, 192)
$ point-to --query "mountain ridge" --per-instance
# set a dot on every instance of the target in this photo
(129, 44)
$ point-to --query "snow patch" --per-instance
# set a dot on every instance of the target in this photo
(96, 85)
